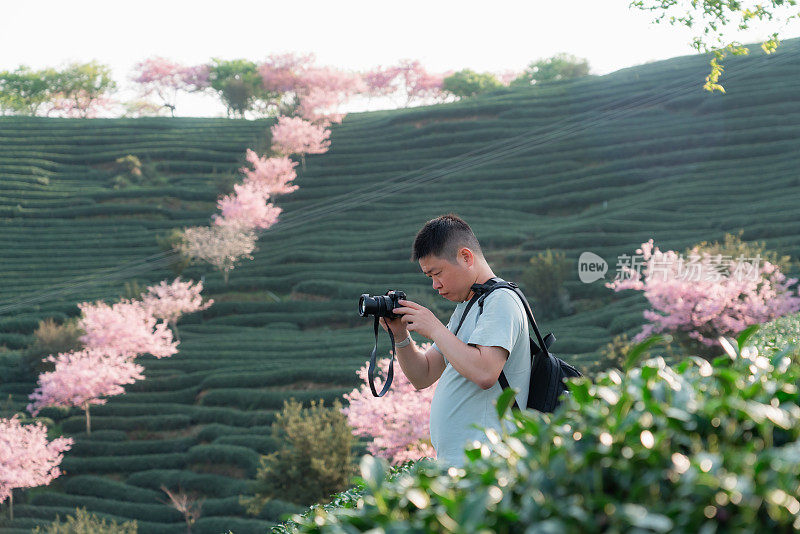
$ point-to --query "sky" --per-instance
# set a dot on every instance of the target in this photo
(349, 34)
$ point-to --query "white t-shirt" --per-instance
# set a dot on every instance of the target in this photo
(458, 402)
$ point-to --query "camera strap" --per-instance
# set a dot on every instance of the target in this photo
(372, 358)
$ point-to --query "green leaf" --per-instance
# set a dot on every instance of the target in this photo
(505, 400)
(745, 334)
(635, 353)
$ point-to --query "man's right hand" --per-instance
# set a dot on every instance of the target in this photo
(399, 330)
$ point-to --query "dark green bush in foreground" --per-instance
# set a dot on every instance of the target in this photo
(698, 447)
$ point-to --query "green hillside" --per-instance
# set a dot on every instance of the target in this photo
(598, 164)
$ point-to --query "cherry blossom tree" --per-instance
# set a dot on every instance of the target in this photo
(270, 175)
(381, 81)
(398, 421)
(246, 208)
(166, 78)
(419, 83)
(322, 90)
(222, 246)
(81, 378)
(125, 328)
(294, 135)
(169, 301)
(704, 298)
(27, 458)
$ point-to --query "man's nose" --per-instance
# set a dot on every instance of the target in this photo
(436, 285)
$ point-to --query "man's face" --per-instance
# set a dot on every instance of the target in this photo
(451, 281)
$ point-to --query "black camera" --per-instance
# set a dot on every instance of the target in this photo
(382, 305)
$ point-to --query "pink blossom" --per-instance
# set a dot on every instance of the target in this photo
(125, 328)
(280, 72)
(82, 377)
(697, 297)
(293, 135)
(270, 176)
(27, 458)
(398, 421)
(246, 208)
(169, 301)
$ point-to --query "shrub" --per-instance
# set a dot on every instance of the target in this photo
(543, 282)
(699, 447)
(85, 523)
(313, 461)
(51, 338)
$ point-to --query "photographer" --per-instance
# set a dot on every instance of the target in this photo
(467, 365)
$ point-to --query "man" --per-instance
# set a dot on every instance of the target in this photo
(468, 365)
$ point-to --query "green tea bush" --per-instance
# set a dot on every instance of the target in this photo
(698, 447)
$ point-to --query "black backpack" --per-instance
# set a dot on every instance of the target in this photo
(547, 371)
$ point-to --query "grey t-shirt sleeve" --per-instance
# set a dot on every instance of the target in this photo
(501, 322)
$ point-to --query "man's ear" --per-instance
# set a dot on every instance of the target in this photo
(467, 255)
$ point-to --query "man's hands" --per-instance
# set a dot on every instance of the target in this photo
(418, 318)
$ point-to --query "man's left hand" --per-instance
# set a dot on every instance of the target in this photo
(418, 318)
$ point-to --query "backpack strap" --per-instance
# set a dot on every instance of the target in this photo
(481, 291)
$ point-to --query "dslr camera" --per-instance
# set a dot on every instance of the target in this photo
(381, 305)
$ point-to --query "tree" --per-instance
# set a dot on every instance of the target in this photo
(398, 421)
(314, 461)
(294, 135)
(220, 245)
(270, 175)
(322, 90)
(189, 505)
(418, 83)
(125, 328)
(381, 81)
(707, 296)
(169, 302)
(562, 66)
(166, 78)
(246, 208)
(238, 83)
(713, 17)
(80, 90)
(27, 458)
(82, 378)
(466, 83)
(23, 91)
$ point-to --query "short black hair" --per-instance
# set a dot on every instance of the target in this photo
(443, 237)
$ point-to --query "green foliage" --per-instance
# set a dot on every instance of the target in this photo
(732, 246)
(85, 523)
(314, 460)
(561, 66)
(238, 84)
(698, 447)
(131, 171)
(713, 17)
(466, 83)
(543, 284)
(23, 91)
(616, 353)
(51, 338)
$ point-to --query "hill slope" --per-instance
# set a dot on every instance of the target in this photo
(599, 164)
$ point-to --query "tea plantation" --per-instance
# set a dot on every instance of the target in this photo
(597, 164)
